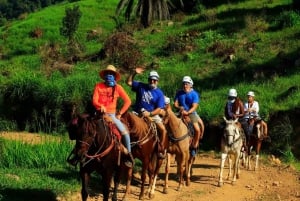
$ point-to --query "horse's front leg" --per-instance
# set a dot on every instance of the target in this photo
(223, 158)
(106, 179)
(230, 167)
(181, 170)
(236, 168)
(167, 169)
(85, 177)
(128, 183)
(143, 178)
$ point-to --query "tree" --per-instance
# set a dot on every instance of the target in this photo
(146, 10)
(69, 27)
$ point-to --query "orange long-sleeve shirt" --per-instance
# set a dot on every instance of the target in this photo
(105, 96)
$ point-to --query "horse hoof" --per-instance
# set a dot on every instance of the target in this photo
(220, 184)
(188, 183)
(151, 196)
(179, 188)
(165, 191)
(141, 197)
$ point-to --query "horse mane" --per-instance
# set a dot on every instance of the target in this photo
(175, 123)
(134, 123)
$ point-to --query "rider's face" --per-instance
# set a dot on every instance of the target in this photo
(153, 83)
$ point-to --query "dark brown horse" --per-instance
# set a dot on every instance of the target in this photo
(144, 140)
(98, 150)
(259, 134)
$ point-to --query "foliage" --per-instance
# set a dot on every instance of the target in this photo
(287, 19)
(122, 49)
(69, 27)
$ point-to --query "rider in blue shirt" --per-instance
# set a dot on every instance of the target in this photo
(150, 102)
(187, 101)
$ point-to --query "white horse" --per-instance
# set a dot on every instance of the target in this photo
(231, 145)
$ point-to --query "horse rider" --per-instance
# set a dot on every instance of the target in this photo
(234, 109)
(105, 98)
(187, 101)
(150, 103)
(251, 108)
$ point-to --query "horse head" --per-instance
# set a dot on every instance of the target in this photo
(83, 128)
(231, 131)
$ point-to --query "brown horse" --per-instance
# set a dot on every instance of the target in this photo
(259, 134)
(98, 150)
(178, 144)
(144, 140)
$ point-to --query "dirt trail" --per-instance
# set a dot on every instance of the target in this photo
(272, 182)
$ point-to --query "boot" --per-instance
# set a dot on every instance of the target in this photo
(130, 160)
(161, 152)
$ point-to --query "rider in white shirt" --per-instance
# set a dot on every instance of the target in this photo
(251, 108)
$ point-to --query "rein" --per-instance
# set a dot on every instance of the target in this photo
(99, 155)
(147, 137)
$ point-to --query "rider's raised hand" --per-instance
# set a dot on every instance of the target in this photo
(139, 70)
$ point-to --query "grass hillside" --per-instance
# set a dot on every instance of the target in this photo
(247, 45)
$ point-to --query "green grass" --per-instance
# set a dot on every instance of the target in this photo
(264, 36)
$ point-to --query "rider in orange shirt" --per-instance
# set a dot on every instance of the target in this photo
(105, 98)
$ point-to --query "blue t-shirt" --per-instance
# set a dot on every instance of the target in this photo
(186, 100)
(146, 97)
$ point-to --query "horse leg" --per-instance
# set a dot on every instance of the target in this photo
(181, 170)
(106, 179)
(258, 146)
(187, 168)
(249, 158)
(223, 158)
(229, 166)
(128, 183)
(167, 168)
(236, 161)
(85, 177)
(190, 170)
(143, 178)
(117, 179)
(154, 165)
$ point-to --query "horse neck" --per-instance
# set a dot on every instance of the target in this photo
(176, 124)
(103, 136)
(138, 126)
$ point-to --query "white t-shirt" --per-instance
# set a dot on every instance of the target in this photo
(254, 112)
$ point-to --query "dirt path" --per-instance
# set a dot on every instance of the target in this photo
(272, 182)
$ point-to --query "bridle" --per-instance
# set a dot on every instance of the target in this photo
(100, 152)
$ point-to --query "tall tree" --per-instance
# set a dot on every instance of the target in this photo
(146, 10)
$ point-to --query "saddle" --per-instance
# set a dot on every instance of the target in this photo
(113, 128)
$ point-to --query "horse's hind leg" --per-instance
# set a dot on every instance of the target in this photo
(258, 146)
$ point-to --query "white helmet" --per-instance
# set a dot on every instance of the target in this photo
(232, 93)
(250, 93)
(153, 75)
(188, 79)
